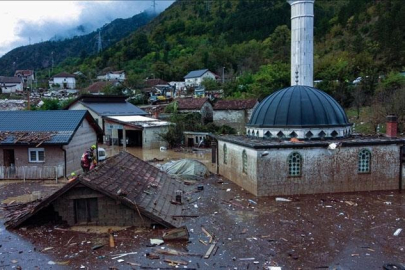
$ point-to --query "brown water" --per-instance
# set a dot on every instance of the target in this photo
(203, 155)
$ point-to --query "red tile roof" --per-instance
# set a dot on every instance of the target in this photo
(24, 72)
(190, 103)
(237, 104)
(64, 74)
(153, 82)
(98, 86)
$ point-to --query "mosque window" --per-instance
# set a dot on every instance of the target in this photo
(267, 134)
(334, 134)
(257, 133)
(364, 161)
(244, 161)
(225, 154)
(294, 164)
(293, 135)
(309, 135)
(280, 134)
(322, 134)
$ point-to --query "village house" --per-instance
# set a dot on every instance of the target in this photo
(44, 144)
(196, 105)
(63, 81)
(102, 106)
(98, 88)
(299, 140)
(234, 113)
(11, 84)
(136, 130)
(196, 77)
(27, 76)
(122, 191)
(192, 138)
(112, 76)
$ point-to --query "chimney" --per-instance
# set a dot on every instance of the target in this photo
(392, 126)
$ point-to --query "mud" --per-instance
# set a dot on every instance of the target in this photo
(329, 231)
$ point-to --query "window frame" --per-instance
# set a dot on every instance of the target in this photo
(360, 159)
(225, 150)
(36, 150)
(289, 164)
(244, 161)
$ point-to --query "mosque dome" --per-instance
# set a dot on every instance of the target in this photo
(300, 112)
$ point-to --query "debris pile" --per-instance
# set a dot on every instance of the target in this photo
(16, 211)
(26, 137)
(12, 105)
(186, 169)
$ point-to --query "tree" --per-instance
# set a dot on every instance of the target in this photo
(210, 84)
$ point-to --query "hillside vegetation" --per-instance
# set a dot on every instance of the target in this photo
(39, 56)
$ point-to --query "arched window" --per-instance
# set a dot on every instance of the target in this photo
(294, 164)
(225, 154)
(364, 161)
(244, 161)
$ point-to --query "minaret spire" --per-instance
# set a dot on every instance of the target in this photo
(302, 42)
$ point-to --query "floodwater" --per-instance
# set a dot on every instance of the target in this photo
(326, 231)
(155, 155)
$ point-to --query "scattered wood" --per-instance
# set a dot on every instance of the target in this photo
(175, 263)
(234, 204)
(96, 246)
(208, 234)
(178, 234)
(181, 216)
(123, 255)
(173, 252)
(34, 137)
(152, 256)
(209, 251)
(112, 243)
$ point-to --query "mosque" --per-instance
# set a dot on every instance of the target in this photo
(299, 139)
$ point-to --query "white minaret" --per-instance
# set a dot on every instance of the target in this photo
(302, 42)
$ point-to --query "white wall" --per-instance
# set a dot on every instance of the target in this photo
(69, 81)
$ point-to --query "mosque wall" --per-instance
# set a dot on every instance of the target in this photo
(321, 170)
(328, 171)
(232, 167)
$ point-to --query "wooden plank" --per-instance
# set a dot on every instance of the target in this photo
(209, 251)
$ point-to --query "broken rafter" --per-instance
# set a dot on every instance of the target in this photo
(30, 137)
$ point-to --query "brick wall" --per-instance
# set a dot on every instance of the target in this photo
(110, 212)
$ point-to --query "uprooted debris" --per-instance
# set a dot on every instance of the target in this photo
(15, 211)
(26, 137)
(186, 169)
(178, 234)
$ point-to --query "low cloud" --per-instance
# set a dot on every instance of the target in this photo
(93, 16)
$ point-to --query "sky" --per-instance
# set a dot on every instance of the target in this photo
(28, 22)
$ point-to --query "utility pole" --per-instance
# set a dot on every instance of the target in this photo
(223, 75)
(154, 6)
(99, 43)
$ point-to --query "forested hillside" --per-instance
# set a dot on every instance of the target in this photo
(251, 39)
(39, 56)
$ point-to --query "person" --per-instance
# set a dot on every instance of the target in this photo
(88, 158)
(73, 177)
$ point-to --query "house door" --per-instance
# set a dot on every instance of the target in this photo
(190, 142)
(86, 210)
(8, 155)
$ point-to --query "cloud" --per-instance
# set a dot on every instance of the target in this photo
(89, 16)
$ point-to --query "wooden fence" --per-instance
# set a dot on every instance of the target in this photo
(32, 172)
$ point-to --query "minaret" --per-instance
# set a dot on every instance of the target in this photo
(302, 42)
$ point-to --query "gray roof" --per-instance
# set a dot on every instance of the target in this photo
(195, 73)
(298, 106)
(62, 124)
(114, 108)
(4, 79)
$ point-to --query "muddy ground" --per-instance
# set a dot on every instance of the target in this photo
(331, 231)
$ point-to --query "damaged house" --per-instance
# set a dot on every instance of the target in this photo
(44, 144)
(123, 191)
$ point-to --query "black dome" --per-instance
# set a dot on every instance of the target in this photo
(298, 106)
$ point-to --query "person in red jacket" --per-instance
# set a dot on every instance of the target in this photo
(88, 159)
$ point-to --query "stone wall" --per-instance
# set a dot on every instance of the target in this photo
(82, 140)
(233, 118)
(110, 212)
(323, 171)
(233, 169)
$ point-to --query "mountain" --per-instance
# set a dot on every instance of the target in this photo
(39, 56)
(251, 40)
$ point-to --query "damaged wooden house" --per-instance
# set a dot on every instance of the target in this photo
(44, 144)
(123, 191)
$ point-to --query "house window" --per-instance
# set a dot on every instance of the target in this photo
(36, 154)
(294, 164)
(364, 161)
(244, 161)
(225, 154)
(86, 210)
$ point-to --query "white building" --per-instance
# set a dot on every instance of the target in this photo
(63, 81)
(195, 78)
(11, 84)
(112, 76)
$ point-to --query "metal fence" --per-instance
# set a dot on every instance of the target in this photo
(31, 172)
